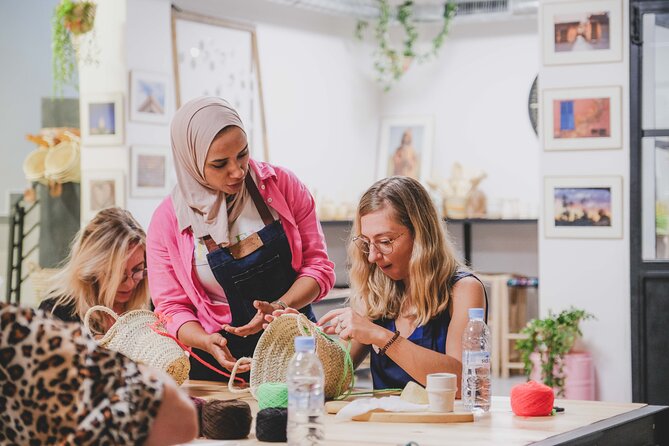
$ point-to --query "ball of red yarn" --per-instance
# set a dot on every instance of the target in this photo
(532, 399)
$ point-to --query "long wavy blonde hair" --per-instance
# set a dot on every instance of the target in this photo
(432, 265)
(96, 265)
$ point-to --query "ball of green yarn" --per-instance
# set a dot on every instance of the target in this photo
(272, 395)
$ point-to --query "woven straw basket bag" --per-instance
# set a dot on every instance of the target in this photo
(276, 347)
(134, 335)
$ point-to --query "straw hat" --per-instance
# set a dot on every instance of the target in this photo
(33, 165)
(62, 163)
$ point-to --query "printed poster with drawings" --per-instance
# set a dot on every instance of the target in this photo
(218, 58)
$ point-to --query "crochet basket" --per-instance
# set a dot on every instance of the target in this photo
(276, 347)
(134, 335)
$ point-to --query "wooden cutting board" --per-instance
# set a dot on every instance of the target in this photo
(382, 416)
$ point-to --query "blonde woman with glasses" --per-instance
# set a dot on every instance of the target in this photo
(409, 294)
(106, 266)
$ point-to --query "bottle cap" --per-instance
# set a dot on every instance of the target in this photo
(305, 344)
(476, 313)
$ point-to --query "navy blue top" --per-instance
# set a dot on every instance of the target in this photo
(386, 374)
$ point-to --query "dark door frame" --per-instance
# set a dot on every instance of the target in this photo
(640, 270)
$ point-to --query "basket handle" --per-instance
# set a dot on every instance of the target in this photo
(303, 323)
(233, 376)
(95, 308)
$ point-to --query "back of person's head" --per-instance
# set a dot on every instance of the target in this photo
(96, 266)
(432, 262)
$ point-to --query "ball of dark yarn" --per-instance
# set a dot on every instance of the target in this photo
(199, 404)
(226, 420)
(271, 424)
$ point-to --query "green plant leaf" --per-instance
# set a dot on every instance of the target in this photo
(391, 63)
(64, 57)
(552, 338)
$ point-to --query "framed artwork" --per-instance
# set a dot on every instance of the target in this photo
(101, 189)
(215, 57)
(582, 32)
(148, 97)
(150, 171)
(582, 118)
(583, 207)
(102, 120)
(405, 147)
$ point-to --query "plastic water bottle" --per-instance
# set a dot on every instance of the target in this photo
(306, 401)
(476, 363)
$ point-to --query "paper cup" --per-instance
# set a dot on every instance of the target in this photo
(441, 389)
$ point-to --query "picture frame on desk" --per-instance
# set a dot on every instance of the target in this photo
(102, 119)
(582, 118)
(405, 147)
(583, 207)
(579, 32)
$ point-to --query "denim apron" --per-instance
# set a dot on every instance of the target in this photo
(264, 274)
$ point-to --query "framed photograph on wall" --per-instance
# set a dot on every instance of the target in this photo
(102, 120)
(405, 147)
(583, 207)
(148, 97)
(582, 32)
(582, 118)
(217, 57)
(101, 189)
(150, 169)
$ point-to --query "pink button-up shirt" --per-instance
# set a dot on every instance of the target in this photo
(175, 288)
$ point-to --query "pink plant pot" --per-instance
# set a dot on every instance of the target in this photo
(579, 371)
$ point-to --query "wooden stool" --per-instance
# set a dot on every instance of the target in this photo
(517, 309)
(498, 294)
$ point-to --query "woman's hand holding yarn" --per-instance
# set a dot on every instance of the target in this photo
(347, 324)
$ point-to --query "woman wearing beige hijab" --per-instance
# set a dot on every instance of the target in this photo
(235, 240)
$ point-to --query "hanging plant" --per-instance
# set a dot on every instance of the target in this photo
(70, 20)
(391, 63)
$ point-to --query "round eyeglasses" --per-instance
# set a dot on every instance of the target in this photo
(135, 276)
(384, 246)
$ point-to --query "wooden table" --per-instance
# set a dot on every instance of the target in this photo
(582, 423)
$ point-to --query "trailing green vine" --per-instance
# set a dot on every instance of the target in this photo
(391, 63)
(70, 18)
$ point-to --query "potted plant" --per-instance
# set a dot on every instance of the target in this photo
(70, 19)
(392, 62)
(548, 341)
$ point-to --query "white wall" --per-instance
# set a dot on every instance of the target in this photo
(321, 105)
(321, 109)
(593, 274)
(25, 78)
(477, 92)
(148, 47)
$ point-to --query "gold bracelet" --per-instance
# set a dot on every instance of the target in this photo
(280, 303)
(382, 350)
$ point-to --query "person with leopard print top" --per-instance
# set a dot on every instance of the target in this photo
(58, 387)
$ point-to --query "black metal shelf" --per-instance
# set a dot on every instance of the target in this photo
(467, 227)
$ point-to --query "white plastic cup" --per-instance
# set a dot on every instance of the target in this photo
(441, 389)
